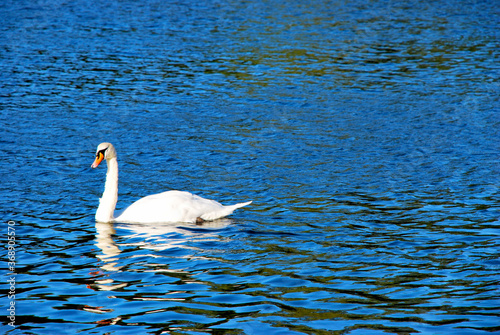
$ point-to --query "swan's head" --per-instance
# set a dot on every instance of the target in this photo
(104, 151)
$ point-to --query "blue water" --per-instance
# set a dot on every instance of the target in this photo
(366, 133)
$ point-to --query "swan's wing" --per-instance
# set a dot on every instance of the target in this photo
(171, 206)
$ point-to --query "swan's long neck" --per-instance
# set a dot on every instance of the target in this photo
(109, 198)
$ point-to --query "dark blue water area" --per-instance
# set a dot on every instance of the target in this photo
(366, 133)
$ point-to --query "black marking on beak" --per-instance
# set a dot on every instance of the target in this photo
(101, 152)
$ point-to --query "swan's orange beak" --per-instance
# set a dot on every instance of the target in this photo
(98, 159)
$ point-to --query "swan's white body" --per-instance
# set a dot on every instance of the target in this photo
(170, 206)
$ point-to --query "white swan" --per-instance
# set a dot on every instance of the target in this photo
(170, 206)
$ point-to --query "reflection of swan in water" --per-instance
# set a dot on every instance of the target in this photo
(170, 206)
(152, 237)
(104, 241)
(162, 236)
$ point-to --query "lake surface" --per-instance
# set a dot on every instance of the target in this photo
(367, 134)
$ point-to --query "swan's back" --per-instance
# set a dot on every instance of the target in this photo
(175, 206)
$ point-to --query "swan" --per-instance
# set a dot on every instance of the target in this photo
(170, 206)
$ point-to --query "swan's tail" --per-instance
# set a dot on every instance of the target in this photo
(241, 204)
(224, 211)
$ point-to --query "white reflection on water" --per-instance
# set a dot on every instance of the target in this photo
(155, 237)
